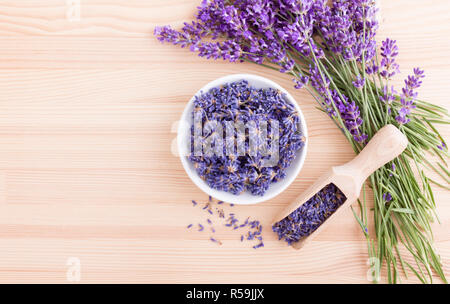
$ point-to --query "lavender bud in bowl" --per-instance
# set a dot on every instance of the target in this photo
(242, 139)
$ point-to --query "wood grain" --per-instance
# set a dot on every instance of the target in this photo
(87, 116)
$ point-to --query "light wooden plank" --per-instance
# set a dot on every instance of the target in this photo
(87, 113)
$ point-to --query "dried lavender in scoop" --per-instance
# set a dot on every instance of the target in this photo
(308, 217)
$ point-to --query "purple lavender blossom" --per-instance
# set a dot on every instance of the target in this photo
(227, 50)
(349, 113)
(372, 68)
(301, 82)
(188, 36)
(319, 81)
(387, 197)
(276, 31)
(348, 27)
(405, 110)
(249, 30)
(359, 82)
(408, 95)
(353, 121)
(389, 52)
(388, 95)
(393, 169)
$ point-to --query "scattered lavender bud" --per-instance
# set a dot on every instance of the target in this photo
(259, 245)
(215, 241)
(253, 227)
(189, 226)
(200, 227)
(221, 213)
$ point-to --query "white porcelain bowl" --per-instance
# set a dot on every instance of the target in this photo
(183, 141)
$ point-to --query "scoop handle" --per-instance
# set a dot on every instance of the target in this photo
(388, 143)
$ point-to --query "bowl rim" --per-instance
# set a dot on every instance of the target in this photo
(223, 195)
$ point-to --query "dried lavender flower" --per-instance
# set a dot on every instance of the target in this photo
(200, 227)
(259, 245)
(309, 216)
(215, 241)
(253, 227)
(261, 162)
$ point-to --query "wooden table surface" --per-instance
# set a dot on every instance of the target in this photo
(88, 109)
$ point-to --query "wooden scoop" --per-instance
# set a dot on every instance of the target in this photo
(385, 145)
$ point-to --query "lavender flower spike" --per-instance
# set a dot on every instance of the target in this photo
(389, 52)
(359, 82)
(353, 121)
(349, 112)
(409, 95)
(388, 95)
(301, 82)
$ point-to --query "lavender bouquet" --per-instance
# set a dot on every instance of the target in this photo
(331, 51)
